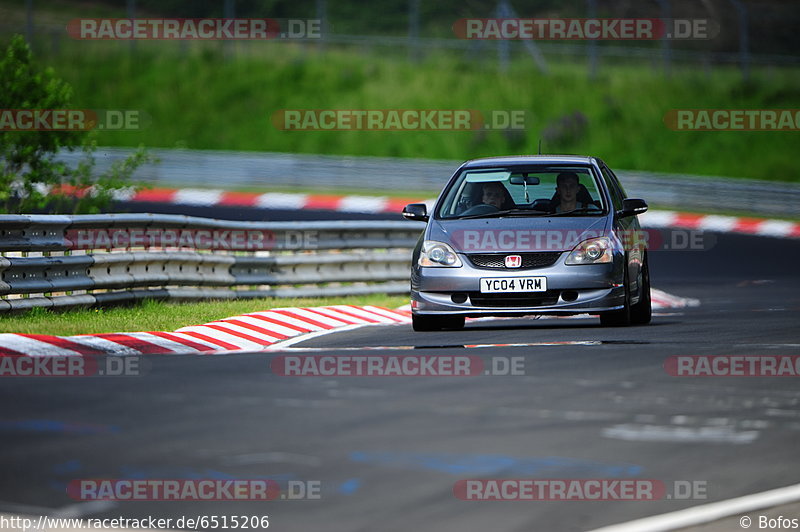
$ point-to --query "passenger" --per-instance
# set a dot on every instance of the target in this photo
(567, 186)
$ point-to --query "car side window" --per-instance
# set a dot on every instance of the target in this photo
(617, 181)
(613, 187)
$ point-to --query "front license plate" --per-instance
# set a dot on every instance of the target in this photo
(491, 285)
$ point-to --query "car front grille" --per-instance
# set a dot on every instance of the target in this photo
(496, 261)
(535, 299)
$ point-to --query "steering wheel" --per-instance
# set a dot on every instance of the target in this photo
(483, 208)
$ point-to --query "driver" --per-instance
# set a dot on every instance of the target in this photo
(495, 194)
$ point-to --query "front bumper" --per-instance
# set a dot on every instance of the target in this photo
(570, 290)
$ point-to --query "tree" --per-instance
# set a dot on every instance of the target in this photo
(30, 177)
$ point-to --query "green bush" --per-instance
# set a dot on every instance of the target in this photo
(30, 177)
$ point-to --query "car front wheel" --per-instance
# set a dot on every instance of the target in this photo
(642, 312)
(621, 317)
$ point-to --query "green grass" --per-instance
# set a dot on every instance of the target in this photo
(197, 98)
(163, 316)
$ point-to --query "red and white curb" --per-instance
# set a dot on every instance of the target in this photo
(662, 300)
(256, 331)
(249, 332)
(720, 224)
(269, 200)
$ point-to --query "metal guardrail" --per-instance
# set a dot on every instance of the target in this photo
(196, 168)
(709, 194)
(65, 261)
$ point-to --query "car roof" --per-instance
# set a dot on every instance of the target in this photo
(528, 159)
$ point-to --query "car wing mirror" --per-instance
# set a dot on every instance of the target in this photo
(632, 207)
(416, 211)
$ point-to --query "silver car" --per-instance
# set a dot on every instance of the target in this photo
(514, 236)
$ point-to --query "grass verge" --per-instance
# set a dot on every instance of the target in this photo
(198, 97)
(153, 315)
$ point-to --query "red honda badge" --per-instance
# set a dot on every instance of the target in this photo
(513, 261)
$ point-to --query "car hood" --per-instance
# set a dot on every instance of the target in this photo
(517, 234)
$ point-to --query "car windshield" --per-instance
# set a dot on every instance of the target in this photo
(564, 190)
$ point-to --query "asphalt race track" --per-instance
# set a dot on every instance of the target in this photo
(593, 403)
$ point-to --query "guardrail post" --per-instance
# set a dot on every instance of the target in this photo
(744, 37)
(131, 12)
(413, 31)
(666, 45)
(322, 15)
(29, 22)
(591, 9)
(229, 10)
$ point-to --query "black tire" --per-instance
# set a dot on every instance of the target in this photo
(642, 312)
(621, 317)
(436, 323)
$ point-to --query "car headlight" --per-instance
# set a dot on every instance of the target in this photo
(438, 254)
(592, 251)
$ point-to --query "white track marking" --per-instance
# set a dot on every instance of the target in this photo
(311, 313)
(102, 344)
(290, 320)
(191, 196)
(777, 228)
(708, 513)
(392, 314)
(718, 223)
(266, 325)
(277, 200)
(33, 347)
(169, 345)
(197, 340)
(370, 204)
(216, 334)
(340, 316)
(668, 433)
(362, 312)
(261, 335)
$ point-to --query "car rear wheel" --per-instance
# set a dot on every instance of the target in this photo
(436, 323)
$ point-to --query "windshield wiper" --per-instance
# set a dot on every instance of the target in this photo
(504, 212)
(574, 211)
